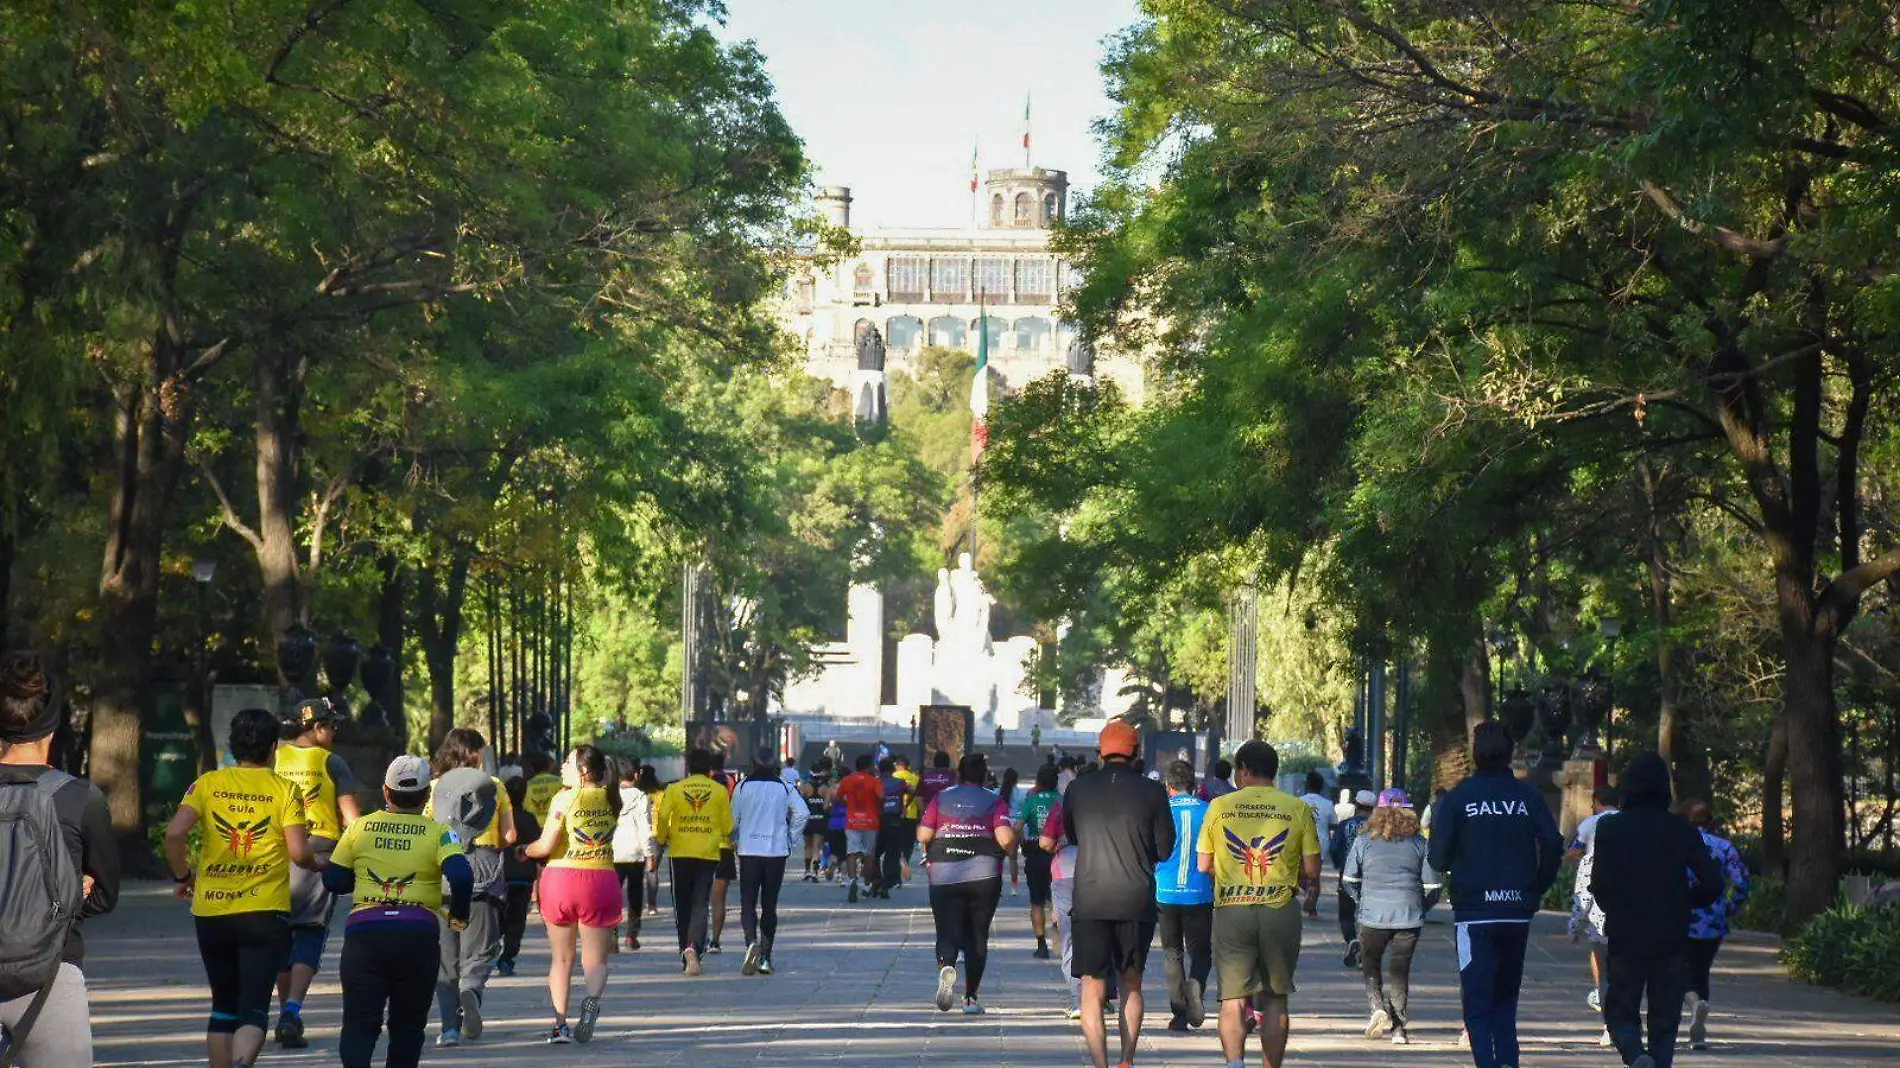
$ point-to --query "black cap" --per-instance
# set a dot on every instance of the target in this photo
(315, 711)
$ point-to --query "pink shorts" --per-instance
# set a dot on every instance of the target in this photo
(585, 897)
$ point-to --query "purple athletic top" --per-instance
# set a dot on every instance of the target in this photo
(964, 850)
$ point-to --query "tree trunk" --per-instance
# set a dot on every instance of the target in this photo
(439, 627)
(1774, 770)
(277, 456)
(1671, 739)
(148, 446)
(1815, 772)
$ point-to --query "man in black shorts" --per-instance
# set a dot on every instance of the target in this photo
(1121, 827)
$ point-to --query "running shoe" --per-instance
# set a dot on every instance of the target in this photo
(1400, 1038)
(851, 895)
(471, 1015)
(1380, 1023)
(946, 988)
(713, 948)
(1603, 1039)
(1352, 954)
(1464, 1038)
(1073, 1012)
(1594, 999)
(765, 966)
(1178, 1025)
(505, 968)
(560, 1035)
(1042, 950)
(1196, 1003)
(690, 957)
(1699, 1025)
(633, 943)
(590, 1017)
(972, 1007)
(448, 1039)
(751, 964)
(290, 1032)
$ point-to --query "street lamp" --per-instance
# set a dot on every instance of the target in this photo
(1612, 629)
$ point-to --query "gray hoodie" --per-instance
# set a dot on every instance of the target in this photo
(1393, 882)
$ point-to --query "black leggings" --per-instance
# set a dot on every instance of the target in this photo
(1702, 953)
(243, 952)
(963, 912)
(692, 896)
(633, 883)
(1373, 943)
(760, 880)
(387, 966)
(890, 857)
(514, 919)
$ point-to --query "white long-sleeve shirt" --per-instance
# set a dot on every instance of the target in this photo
(768, 818)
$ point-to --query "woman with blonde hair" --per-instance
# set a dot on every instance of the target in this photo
(1388, 874)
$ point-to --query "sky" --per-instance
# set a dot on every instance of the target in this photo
(890, 95)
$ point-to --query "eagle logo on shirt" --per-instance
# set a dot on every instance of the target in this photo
(1256, 855)
(696, 799)
(591, 841)
(392, 887)
(240, 837)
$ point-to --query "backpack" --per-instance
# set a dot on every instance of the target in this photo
(465, 802)
(40, 887)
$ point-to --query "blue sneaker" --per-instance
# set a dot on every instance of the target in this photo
(560, 1035)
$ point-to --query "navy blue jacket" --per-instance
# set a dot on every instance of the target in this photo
(1495, 840)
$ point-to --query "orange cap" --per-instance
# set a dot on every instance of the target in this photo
(1119, 739)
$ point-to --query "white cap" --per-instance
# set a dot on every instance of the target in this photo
(407, 773)
(1366, 798)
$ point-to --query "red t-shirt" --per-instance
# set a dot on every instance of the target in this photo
(863, 795)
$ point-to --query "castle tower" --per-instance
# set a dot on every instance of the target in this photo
(834, 201)
(1025, 198)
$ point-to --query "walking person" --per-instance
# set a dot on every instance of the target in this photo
(913, 811)
(965, 833)
(543, 784)
(1345, 832)
(1325, 813)
(580, 895)
(649, 783)
(1638, 880)
(1495, 842)
(814, 791)
(238, 882)
(633, 849)
(470, 802)
(1028, 825)
(727, 871)
(1119, 822)
(329, 800)
(1185, 895)
(1262, 846)
(768, 816)
(1709, 924)
(694, 824)
(1391, 880)
(395, 863)
(520, 872)
(863, 795)
(1586, 920)
(1013, 796)
(1054, 841)
(891, 845)
(63, 838)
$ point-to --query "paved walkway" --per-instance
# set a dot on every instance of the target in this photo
(854, 986)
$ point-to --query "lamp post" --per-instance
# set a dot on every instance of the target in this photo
(203, 570)
(1612, 628)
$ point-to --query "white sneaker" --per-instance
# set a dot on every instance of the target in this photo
(471, 1015)
(1400, 1038)
(1605, 1040)
(946, 988)
(1699, 1025)
(1594, 999)
(1377, 1026)
(448, 1039)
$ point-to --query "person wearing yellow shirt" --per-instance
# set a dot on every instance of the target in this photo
(1261, 845)
(913, 809)
(580, 888)
(329, 799)
(694, 823)
(543, 784)
(394, 863)
(475, 806)
(238, 883)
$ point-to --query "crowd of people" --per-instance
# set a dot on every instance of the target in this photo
(444, 877)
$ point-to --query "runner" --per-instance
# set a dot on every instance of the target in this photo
(940, 776)
(891, 845)
(913, 811)
(1036, 860)
(694, 825)
(649, 782)
(767, 816)
(1494, 841)
(1260, 844)
(1221, 782)
(835, 841)
(1344, 833)
(965, 833)
(1325, 813)
(1393, 885)
(813, 791)
(395, 863)
(579, 890)
(239, 887)
(543, 784)
(1585, 918)
(1053, 841)
(1185, 894)
(633, 848)
(1119, 822)
(1638, 881)
(475, 806)
(1709, 924)
(863, 795)
(49, 1026)
(329, 800)
(520, 871)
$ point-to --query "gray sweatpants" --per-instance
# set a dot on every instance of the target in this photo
(62, 1035)
(1062, 896)
(467, 959)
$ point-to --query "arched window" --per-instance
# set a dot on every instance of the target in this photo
(996, 210)
(1032, 333)
(1050, 209)
(948, 331)
(903, 332)
(1025, 210)
(996, 327)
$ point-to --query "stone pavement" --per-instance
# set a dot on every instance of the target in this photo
(854, 986)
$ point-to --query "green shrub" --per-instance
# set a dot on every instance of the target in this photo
(1560, 892)
(1850, 947)
(1762, 911)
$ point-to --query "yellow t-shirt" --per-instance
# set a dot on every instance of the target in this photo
(490, 837)
(1258, 837)
(695, 819)
(308, 767)
(911, 809)
(243, 864)
(397, 858)
(541, 791)
(587, 829)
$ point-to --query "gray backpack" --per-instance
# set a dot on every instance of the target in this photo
(40, 893)
(465, 801)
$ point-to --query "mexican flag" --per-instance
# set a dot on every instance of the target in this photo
(980, 387)
(973, 170)
(1025, 129)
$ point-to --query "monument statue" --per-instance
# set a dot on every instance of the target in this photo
(1081, 357)
(870, 348)
(970, 620)
(944, 605)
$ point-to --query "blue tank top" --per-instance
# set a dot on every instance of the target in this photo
(1179, 879)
